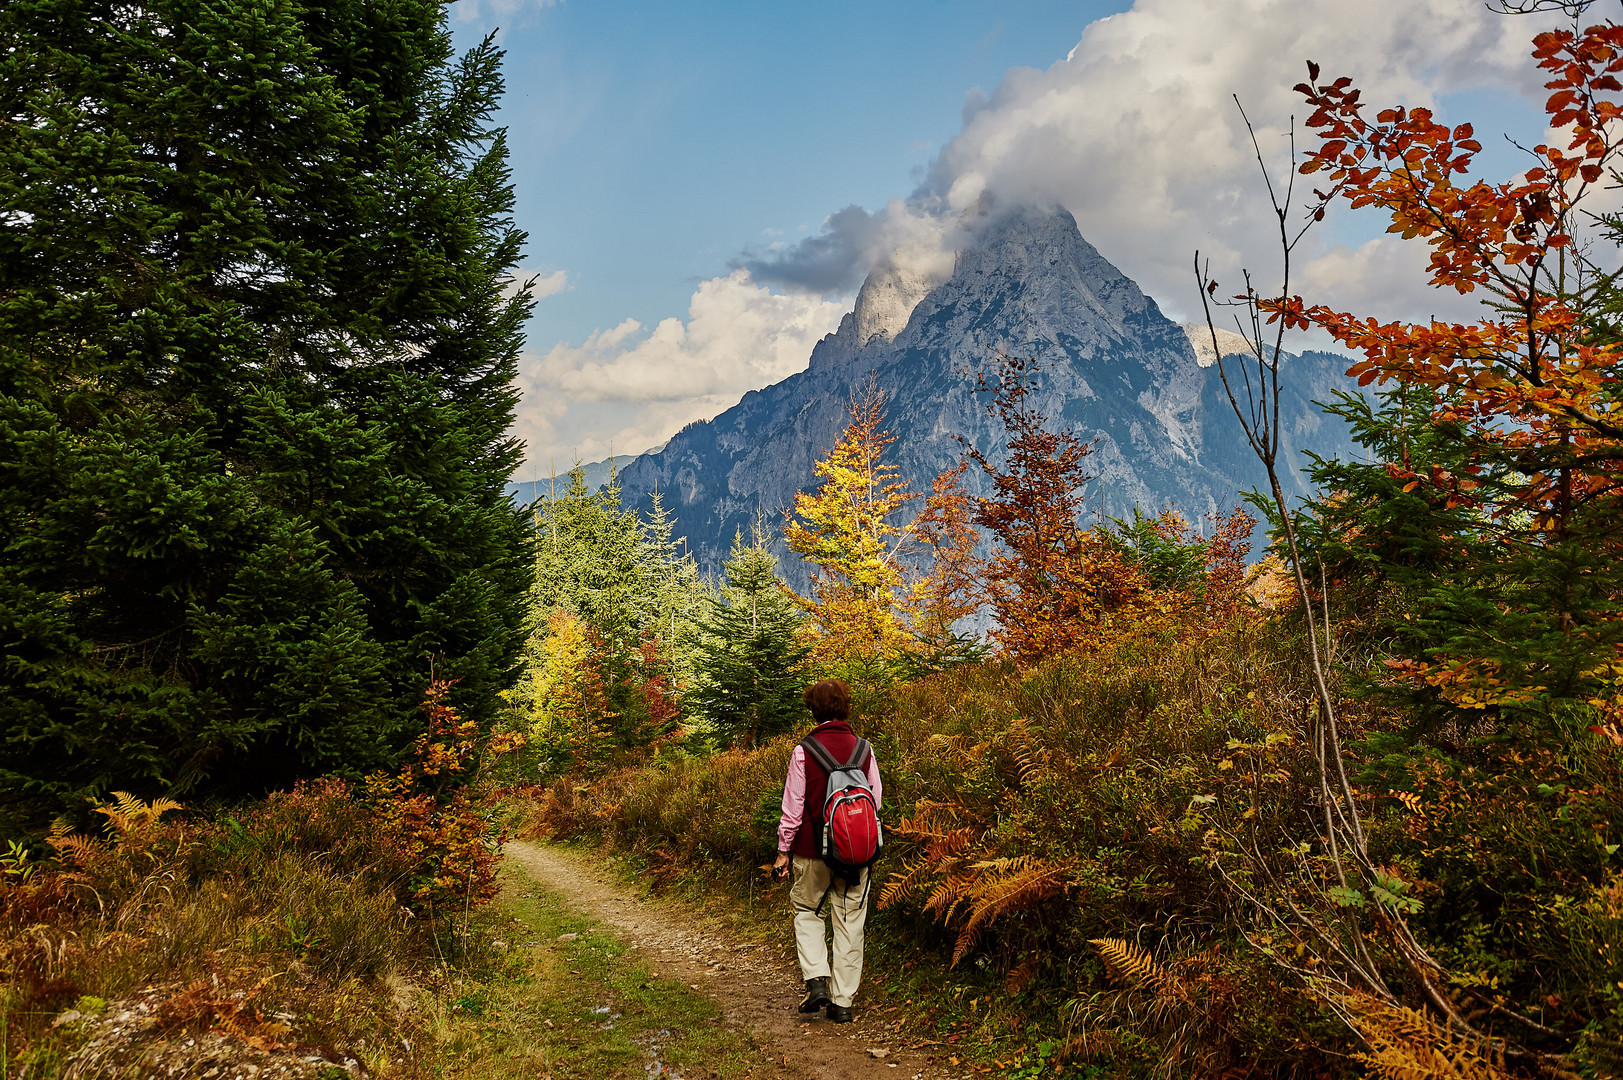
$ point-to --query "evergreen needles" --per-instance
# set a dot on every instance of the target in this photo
(255, 364)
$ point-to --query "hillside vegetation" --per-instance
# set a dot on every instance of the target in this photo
(1158, 805)
(1353, 810)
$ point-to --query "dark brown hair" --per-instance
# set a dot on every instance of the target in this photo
(829, 699)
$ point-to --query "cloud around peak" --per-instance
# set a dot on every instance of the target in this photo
(831, 262)
(1136, 132)
(629, 386)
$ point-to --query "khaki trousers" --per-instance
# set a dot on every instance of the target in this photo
(849, 908)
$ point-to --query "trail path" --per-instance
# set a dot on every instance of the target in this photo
(755, 989)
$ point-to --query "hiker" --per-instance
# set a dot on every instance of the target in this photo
(802, 841)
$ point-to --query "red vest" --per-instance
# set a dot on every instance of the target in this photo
(839, 740)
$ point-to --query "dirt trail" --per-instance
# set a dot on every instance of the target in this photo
(755, 989)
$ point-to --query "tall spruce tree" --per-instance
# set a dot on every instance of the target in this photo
(750, 661)
(591, 562)
(255, 379)
(681, 598)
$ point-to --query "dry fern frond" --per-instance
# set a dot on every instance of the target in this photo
(159, 807)
(1408, 1045)
(961, 747)
(948, 896)
(937, 825)
(1133, 965)
(1007, 885)
(1031, 758)
(76, 848)
(904, 882)
(929, 820)
(127, 813)
(1168, 1003)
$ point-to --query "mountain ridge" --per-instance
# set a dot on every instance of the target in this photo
(1112, 366)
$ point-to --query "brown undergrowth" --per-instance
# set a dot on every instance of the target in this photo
(274, 926)
(1031, 811)
(299, 931)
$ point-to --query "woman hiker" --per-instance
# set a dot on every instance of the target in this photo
(830, 986)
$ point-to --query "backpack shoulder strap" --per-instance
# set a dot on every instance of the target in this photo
(820, 752)
(859, 755)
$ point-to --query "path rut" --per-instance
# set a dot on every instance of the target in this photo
(755, 990)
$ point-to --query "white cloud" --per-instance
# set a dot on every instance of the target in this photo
(631, 388)
(488, 11)
(1137, 133)
(545, 284)
(549, 284)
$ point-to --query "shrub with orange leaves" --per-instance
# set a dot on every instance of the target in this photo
(435, 816)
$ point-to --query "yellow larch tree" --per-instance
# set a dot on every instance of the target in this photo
(848, 530)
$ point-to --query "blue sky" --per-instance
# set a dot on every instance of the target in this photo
(705, 184)
(653, 142)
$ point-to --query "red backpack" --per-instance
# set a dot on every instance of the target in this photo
(852, 838)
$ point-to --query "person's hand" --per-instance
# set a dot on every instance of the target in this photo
(781, 867)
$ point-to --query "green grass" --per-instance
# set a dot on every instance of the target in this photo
(581, 1009)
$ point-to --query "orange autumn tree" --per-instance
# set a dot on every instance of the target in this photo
(848, 529)
(1040, 582)
(950, 585)
(1053, 583)
(1484, 523)
(1532, 390)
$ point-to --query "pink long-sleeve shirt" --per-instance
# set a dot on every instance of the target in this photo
(794, 795)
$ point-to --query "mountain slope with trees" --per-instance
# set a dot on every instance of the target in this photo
(1112, 365)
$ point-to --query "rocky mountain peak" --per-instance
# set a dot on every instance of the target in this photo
(1030, 277)
(1112, 367)
(889, 295)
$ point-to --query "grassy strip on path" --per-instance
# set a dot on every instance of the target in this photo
(567, 1000)
(966, 1019)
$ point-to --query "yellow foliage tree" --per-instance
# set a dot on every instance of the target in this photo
(567, 704)
(848, 530)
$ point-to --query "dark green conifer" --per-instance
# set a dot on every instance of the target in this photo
(750, 662)
(1421, 568)
(255, 383)
(591, 562)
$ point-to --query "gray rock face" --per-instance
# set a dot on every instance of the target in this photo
(1113, 367)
